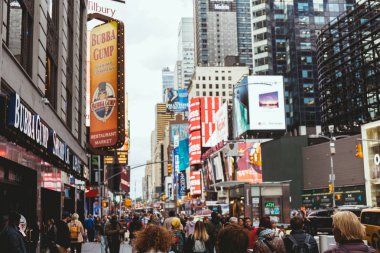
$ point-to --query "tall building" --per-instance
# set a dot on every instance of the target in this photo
(284, 43)
(349, 75)
(216, 82)
(43, 161)
(244, 31)
(215, 31)
(185, 64)
(162, 120)
(167, 81)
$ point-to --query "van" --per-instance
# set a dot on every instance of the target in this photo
(370, 218)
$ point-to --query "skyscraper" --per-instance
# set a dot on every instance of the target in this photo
(284, 42)
(167, 81)
(244, 31)
(185, 62)
(215, 31)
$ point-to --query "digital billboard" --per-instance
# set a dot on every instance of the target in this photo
(106, 103)
(241, 108)
(176, 100)
(222, 5)
(248, 172)
(266, 103)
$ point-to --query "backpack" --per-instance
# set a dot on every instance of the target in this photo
(74, 231)
(199, 246)
(177, 242)
(305, 247)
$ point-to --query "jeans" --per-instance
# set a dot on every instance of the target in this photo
(103, 244)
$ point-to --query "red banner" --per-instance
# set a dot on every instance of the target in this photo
(92, 191)
(195, 147)
(195, 114)
(195, 183)
(209, 106)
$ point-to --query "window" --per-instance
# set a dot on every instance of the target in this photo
(223, 78)
(217, 93)
(304, 20)
(69, 64)
(197, 93)
(318, 5)
(51, 81)
(204, 93)
(308, 88)
(305, 45)
(303, 6)
(333, 7)
(210, 93)
(223, 86)
(319, 20)
(197, 85)
(307, 74)
(305, 33)
(306, 59)
(230, 78)
(216, 78)
(204, 86)
(203, 78)
(18, 29)
(53, 11)
(230, 86)
(210, 86)
(309, 101)
(224, 93)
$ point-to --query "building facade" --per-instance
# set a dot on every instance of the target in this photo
(216, 82)
(215, 31)
(185, 64)
(167, 81)
(244, 32)
(43, 161)
(348, 70)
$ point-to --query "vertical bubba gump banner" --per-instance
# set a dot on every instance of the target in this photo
(105, 98)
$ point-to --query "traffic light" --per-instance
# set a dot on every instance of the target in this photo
(105, 204)
(359, 150)
(128, 203)
(170, 169)
(252, 159)
(330, 188)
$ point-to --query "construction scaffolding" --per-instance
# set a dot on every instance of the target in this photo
(349, 68)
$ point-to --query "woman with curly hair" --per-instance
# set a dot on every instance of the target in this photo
(153, 239)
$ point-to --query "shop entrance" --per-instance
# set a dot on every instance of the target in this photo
(50, 204)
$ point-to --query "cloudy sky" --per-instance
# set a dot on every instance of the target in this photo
(151, 44)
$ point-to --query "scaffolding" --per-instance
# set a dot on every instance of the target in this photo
(348, 61)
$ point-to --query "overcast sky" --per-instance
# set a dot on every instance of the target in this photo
(151, 44)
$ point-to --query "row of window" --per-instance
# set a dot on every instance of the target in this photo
(223, 78)
(210, 93)
(216, 86)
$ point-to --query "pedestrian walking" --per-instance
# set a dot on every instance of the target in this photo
(76, 234)
(198, 241)
(348, 233)
(153, 239)
(96, 226)
(267, 241)
(63, 233)
(241, 222)
(51, 236)
(102, 233)
(114, 231)
(178, 238)
(190, 225)
(232, 239)
(134, 226)
(89, 225)
(299, 241)
(11, 239)
(168, 221)
(213, 227)
(252, 232)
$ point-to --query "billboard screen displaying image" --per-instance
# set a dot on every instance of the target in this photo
(266, 103)
(248, 172)
(241, 108)
(176, 100)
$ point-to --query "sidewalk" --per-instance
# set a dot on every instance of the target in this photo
(94, 247)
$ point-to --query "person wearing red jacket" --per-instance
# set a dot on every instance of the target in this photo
(252, 232)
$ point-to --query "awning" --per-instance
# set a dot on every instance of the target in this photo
(228, 184)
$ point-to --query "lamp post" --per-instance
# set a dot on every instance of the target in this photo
(332, 140)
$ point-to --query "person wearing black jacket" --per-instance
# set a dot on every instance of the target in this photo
(298, 238)
(11, 239)
(63, 233)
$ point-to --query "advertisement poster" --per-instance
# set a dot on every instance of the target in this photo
(181, 184)
(183, 152)
(181, 130)
(103, 88)
(266, 103)
(209, 107)
(248, 172)
(194, 114)
(241, 108)
(195, 148)
(222, 5)
(221, 126)
(176, 100)
(195, 183)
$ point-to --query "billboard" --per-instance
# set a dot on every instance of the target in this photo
(266, 103)
(209, 107)
(248, 172)
(176, 100)
(105, 87)
(195, 148)
(221, 126)
(222, 5)
(194, 114)
(183, 153)
(195, 183)
(180, 130)
(259, 104)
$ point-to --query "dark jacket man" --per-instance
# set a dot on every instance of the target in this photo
(63, 232)
(11, 239)
(299, 237)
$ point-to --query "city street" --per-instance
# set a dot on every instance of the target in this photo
(94, 247)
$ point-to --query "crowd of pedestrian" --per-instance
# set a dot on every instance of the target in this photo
(151, 233)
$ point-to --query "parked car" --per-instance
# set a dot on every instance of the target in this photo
(321, 220)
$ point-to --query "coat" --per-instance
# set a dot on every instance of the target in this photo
(81, 230)
(189, 245)
(300, 237)
(275, 242)
(12, 241)
(352, 247)
(63, 234)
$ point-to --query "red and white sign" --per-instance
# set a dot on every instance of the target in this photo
(92, 191)
(209, 107)
(195, 147)
(195, 183)
(51, 180)
(194, 114)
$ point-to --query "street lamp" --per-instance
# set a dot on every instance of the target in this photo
(332, 140)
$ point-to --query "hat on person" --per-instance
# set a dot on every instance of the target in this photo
(176, 223)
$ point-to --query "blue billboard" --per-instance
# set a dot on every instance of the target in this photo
(176, 100)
